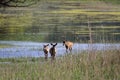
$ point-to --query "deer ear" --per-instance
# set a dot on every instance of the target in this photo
(43, 45)
(56, 44)
(63, 41)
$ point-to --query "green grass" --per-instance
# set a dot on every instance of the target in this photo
(23, 37)
(18, 60)
(103, 65)
(39, 22)
(76, 11)
(5, 45)
(112, 1)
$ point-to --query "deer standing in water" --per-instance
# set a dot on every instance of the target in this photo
(68, 45)
(53, 51)
(46, 50)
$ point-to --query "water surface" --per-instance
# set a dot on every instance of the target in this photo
(34, 49)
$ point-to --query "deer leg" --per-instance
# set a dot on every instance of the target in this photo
(70, 49)
(52, 57)
(66, 49)
(46, 56)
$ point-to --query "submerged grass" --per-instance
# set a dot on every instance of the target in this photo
(93, 65)
(5, 45)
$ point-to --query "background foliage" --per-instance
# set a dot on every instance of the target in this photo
(58, 20)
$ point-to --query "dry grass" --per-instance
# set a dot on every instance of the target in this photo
(98, 65)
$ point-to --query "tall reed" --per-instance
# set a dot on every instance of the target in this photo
(68, 67)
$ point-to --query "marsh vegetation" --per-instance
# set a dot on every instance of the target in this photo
(95, 23)
(103, 65)
(47, 20)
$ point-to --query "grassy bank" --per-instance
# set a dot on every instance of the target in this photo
(5, 45)
(103, 65)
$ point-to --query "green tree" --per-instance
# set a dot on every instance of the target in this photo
(17, 3)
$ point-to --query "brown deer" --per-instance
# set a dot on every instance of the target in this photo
(53, 51)
(46, 50)
(68, 45)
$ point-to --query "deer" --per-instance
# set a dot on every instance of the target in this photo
(68, 45)
(46, 50)
(53, 51)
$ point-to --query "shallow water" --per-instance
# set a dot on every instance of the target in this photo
(34, 49)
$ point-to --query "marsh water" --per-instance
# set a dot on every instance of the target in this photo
(34, 49)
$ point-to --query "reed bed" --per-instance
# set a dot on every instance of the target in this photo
(87, 65)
